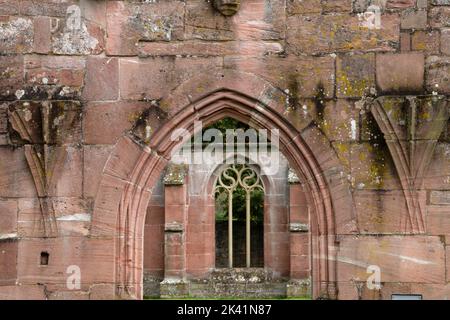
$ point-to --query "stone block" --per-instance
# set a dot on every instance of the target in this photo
(437, 74)
(304, 7)
(445, 41)
(8, 262)
(15, 176)
(95, 158)
(54, 70)
(102, 79)
(438, 174)
(29, 292)
(42, 35)
(94, 257)
(9, 7)
(105, 122)
(439, 17)
(127, 23)
(8, 216)
(372, 167)
(415, 259)
(380, 212)
(311, 34)
(425, 41)
(414, 19)
(16, 35)
(438, 220)
(355, 75)
(402, 72)
(11, 79)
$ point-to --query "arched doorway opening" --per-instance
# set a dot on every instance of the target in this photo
(143, 166)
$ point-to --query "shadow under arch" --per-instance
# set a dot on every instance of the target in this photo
(133, 169)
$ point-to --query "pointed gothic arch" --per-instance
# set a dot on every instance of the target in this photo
(133, 169)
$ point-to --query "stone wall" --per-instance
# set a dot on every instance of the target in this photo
(78, 76)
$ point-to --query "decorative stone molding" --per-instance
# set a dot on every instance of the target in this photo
(45, 127)
(411, 127)
(227, 7)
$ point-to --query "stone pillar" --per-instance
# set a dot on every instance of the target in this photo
(300, 269)
(176, 204)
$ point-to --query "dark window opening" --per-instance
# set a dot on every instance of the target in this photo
(44, 258)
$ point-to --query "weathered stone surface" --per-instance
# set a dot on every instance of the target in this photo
(8, 7)
(8, 261)
(440, 197)
(338, 120)
(298, 81)
(355, 75)
(439, 17)
(15, 177)
(94, 161)
(380, 212)
(11, 76)
(445, 41)
(302, 7)
(425, 41)
(415, 259)
(400, 4)
(400, 72)
(438, 174)
(45, 7)
(438, 220)
(42, 35)
(150, 79)
(371, 166)
(115, 118)
(31, 292)
(102, 79)
(8, 217)
(414, 19)
(16, 35)
(128, 23)
(327, 33)
(76, 36)
(54, 70)
(65, 252)
(437, 75)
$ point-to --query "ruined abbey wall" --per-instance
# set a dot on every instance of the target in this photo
(84, 86)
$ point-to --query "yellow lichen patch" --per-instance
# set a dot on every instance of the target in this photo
(351, 87)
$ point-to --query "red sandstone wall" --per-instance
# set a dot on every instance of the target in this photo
(97, 77)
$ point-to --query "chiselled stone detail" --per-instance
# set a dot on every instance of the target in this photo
(411, 127)
(45, 127)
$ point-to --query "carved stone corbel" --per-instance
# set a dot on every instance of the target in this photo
(411, 127)
(44, 128)
(227, 7)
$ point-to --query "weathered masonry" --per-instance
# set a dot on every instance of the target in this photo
(93, 206)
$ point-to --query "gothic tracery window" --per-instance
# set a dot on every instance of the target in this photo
(239, 217)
